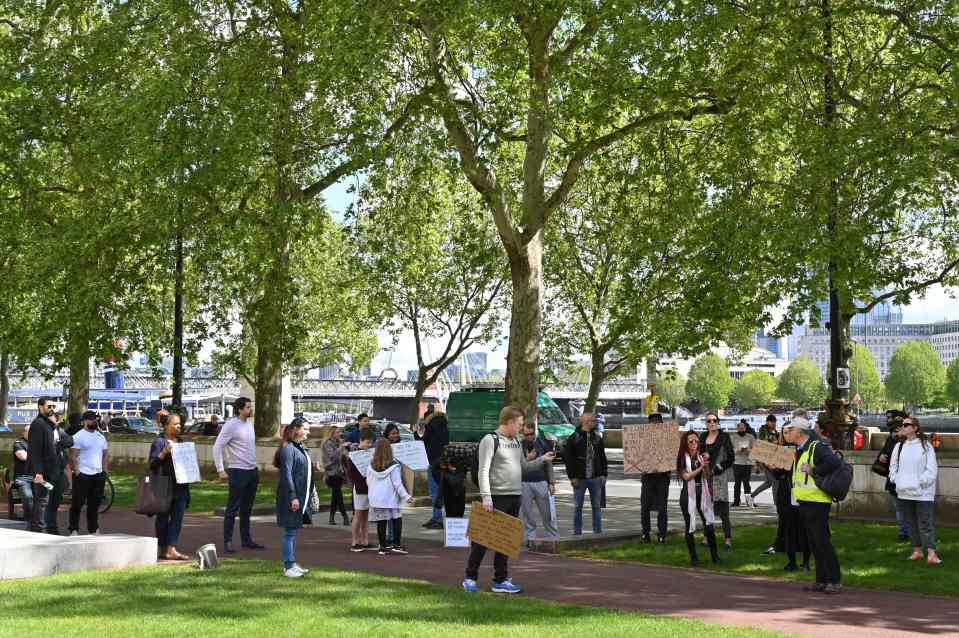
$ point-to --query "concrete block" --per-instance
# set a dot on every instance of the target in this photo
(28, 554)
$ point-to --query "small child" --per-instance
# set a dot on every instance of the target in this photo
(384, 480)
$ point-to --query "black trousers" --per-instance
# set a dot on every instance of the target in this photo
(741, 475)
(54, 498)
(508, 505)
(654, 496)
(87, 490)
(721, 510)
(243, 484)
(815, 520)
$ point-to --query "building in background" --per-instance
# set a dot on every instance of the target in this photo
(882, 340)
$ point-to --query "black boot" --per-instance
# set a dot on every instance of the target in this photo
(646, 539)
(346, 518)
(332, 516)
(711, 540)
(691, 546)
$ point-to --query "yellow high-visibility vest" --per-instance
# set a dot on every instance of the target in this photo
(804, 487)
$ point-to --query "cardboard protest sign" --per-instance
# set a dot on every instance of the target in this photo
(409, 477)
(772, 455)
(650, 447)
(412, 454)
(495, 530)
(455, 532)
(185, 463)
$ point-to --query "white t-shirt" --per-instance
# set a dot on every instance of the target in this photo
(91, 446)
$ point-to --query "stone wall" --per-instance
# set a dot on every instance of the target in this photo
(869, 499)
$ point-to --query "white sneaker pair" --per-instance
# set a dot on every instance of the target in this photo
(749, 501)
(295, 571)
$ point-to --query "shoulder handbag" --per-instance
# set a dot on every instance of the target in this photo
(154, 494)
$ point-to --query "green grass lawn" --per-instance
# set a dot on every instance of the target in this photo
(207, 495)
(251, 598)
(868, 553)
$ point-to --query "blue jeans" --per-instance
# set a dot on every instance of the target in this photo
(25, 485)
(169, 524)
(243, 484)
(289, 546)
(434, 493)
(595, 487)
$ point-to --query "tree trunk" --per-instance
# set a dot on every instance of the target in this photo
(4, 383)
(178, 324)
(418, 396)
(596, 377)
(78, 394)
(267, 393)
(522, 365)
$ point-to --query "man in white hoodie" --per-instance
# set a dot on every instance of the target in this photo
(501, 468)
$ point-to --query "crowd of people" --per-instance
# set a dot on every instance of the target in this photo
(513, 469)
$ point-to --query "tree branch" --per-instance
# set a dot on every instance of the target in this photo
(575, 164)
(940, 278)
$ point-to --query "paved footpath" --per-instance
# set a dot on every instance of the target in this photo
(711, 597)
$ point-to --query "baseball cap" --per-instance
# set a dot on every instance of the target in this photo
(799, 423)
(89, 415)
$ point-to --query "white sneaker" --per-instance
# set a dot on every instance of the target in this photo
(749, 500)
(302, 569)
(74, 533)
(293, 572)
(96, 533)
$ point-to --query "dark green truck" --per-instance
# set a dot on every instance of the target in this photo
(473, 412)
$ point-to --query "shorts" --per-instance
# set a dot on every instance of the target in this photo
(361, 501)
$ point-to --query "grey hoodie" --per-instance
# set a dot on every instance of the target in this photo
(502, 475)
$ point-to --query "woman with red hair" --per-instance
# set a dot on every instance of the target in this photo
(696, 497)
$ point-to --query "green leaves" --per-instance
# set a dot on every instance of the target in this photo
(916, 374)
(756, 389)
(802, 384)
(709, 381)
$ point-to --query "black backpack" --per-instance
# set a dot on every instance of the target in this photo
(474, 465)
(837, 483)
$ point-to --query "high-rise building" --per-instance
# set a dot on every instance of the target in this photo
(884, 313)
(327, 373)
(476, 363)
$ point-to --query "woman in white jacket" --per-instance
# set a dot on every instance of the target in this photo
(913, 469)
(384, 478)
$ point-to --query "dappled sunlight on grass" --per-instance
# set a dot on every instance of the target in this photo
(251, 598)
(868, 552)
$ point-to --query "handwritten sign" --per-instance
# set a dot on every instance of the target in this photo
(185, 463)
(455, 532)
(772, 455)
(495, 530)
(361, 459)
(650, 447)
(412, 454)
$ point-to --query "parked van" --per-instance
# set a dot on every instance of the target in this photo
(473, 412)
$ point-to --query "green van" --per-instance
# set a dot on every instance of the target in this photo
(473, 412)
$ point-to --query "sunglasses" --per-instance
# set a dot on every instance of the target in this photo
(711, 421)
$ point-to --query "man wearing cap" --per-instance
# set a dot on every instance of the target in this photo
(89, 460)
(814, 459)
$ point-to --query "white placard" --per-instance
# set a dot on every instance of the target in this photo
(454, 532)
(185, 464)
(361, 459)
(412, 454)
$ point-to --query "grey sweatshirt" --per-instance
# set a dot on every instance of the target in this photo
(502, 475)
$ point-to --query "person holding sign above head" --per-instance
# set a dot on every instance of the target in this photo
(501, 468)
(384, 479)
(654, 496)
(168, 524)
(293, 490)
(695, 499)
